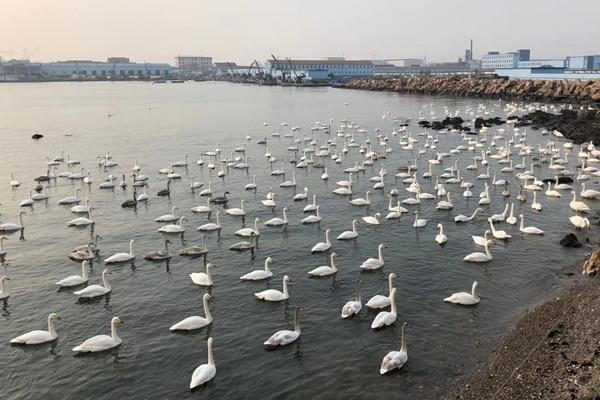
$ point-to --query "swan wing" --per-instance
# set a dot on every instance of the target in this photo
(73, 280)
(203, 374)
(393, 360)
(378, 301)
(351, 308)
(91, 291)
(34, 337)
(282, 338)
(97, 343)
(384, 318)
(190, 323)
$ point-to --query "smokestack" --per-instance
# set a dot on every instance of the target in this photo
(471, 48)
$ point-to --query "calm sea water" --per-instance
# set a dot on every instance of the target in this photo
(334, 358)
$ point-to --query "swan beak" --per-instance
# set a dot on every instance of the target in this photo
(57, 317)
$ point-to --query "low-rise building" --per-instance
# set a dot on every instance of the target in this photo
(20, 70)
(335, 68)
(548, 62)
(583, 62)
(497, 60)
(200, 64)
(88, 69)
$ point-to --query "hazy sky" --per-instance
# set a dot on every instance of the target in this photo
(242, 30)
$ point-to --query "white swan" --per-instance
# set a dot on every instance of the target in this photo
(464, 218)
(249, 232)
(511, 218)
(386, 318)
(348, 235)
(589, 193)
(311, 207)
(419, 222)
(500, 217)
(372, 220)
(71, 199)
(578, 206)
(4, 293)
(441, 238)
(211, 226)
(579, 222)
(445, 204)
(312, 219)
(101, 342)
(76, 280)
(535, 206)
(529, 229)
(552, 192)
(482, 240)
(82, 221)
(205, 372)
(464, 298)
(122, 257)
(353, 307)
(176, 228)
(372, 264)
(502, 235)
(323, 246)
(380, 301)
(479, 257)
(270, 202)
(289, 184)
(275, 222)
(168, 217)
(237, 212)
(203, 278)
(259, 274)
(275, 295)
(144, 196)
(325, 270)
(395, 359)
(195, 322)
(39, 336)
(285, 337)
(301, 196)
(362, 202)
(12, 227)
(202, 209)
(92, 291)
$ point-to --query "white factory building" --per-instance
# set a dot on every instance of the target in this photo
(116, 67)
(194, 63)
(335, 67)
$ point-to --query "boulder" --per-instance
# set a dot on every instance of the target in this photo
(37, 136)
(570, 240)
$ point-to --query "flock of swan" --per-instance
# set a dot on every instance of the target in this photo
(505, 150)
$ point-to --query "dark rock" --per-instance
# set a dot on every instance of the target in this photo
(570, 240)
(37, 136)
(561, 179)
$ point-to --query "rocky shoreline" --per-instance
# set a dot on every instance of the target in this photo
(486, 87)
(552, 353)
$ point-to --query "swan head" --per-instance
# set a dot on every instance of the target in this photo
(210, 266)
(207, 297)
(378, 215)
(287, 279)
(269, 260)
(381, 246)
(392, 276)
(116, 321)
(53, 317)
(105, 273)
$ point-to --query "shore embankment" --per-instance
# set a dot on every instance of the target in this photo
(585, 91)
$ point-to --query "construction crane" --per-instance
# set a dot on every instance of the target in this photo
(278, 67)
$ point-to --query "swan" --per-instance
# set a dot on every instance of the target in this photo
(380, 301)
(259, 274)
(325, 270)
(159, 255)
(101, 342)
(464, 298)
(589, 194)
(237, 212)
(445, 204)
(289, 184)
(386, 318)
(203, 278)
(81, 208)
(311, 207)
(348, 235)
(372, 220)
(28, 202)
(76, 280)
(40, 196)
(575, 205)
(83, 253)
(353, 307)
(39, 336)
(552, 193)
(12, 227)
(211, 226)
(122, 257)
(313, 219)
(205, 372)
(322, 246)
(285, 337)
(273, 294)
(512, 219)
(343, 190)
(419, 222)
(482, 240)
(251, 186)
(2, 250)
(144, 196)
(372, 264)
(561, 186)
(168, 217)
(412, 200)
(202, 209)
(13, 182)
(535, 206)
(276, 222)
(395, 359)
(4, 294)
(82, 221)
(195, 250)
(301, 196)
(195, 322)
(248, 232)
(529, 229)
(71, 199)
(362, 202)
(270, 202)
(92, 291)
(325, 175)
(502, 235)
(479, 257)
(441, 238)
(207, 191)
(464, 218)
(579, 222)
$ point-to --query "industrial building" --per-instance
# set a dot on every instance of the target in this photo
(191, 64)
(113, 68)
(334, 68)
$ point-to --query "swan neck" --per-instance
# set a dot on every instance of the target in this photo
(297, 321)
(51, 328)
(285, 287)
(113, 331)
(402, 341)
(393, 302)
(206, 309)
(327, 238)
(380, 253)
(84, 270)
(131, 248)
(105, 282)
